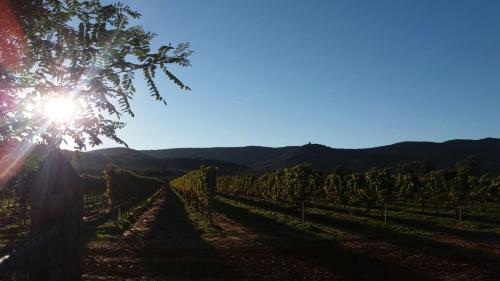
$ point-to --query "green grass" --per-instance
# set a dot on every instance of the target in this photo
(314, 230)
(108, 230)
(331, 224)
(468, 224)
(446, 217)
(376, 222)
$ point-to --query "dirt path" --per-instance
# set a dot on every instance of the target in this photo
(258, 248)
(449, 254)
(165, 245)
(365, 252)
(250, 258)
(162, 245)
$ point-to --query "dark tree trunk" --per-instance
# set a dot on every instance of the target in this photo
(56, 204)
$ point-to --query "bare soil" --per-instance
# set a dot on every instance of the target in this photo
(164, 244)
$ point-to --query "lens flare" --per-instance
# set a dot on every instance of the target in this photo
(60, 110)
(13, 45)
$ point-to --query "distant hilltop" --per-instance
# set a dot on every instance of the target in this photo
(237, 159)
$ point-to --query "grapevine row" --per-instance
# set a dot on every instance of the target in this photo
(126, 190)
(198, 188)
(458, 187)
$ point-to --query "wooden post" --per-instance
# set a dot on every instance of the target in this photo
(56, 202)
(385, 212)
(211, 184)
(303, 207)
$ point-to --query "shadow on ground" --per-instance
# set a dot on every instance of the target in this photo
(406, 241)
(330, 255)
(172, 246)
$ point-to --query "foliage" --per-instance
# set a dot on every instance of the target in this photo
(290, 185)
(93, 184)
(82, 49)
(415, 182)
(126, 187)
(198, 188)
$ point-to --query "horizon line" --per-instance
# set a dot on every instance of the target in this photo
(284, 146)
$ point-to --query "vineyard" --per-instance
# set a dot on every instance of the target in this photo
(198, 188)
(311, 142)
(125, 190)
(411, 221)
(295, 223)
(116, 196)
(463, 191)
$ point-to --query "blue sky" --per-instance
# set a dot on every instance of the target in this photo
(342, 73)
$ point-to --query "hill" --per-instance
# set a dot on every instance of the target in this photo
(443, 154)
(93, 162)
(231, 160)
(247, 155)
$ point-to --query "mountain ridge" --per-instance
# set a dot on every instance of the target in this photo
(442, 154)
(237, 159)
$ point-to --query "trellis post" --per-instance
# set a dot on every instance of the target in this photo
(211, 184)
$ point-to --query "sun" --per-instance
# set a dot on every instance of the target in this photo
(60, 110)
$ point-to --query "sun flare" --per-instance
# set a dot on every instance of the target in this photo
(60, 110)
